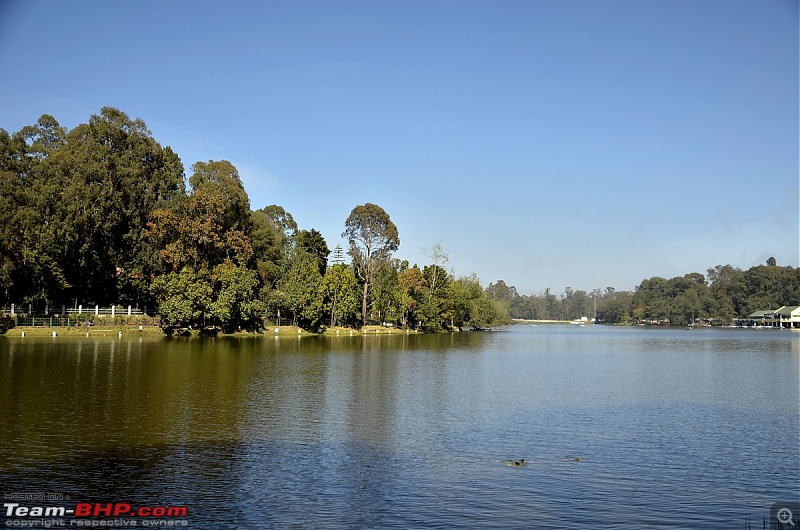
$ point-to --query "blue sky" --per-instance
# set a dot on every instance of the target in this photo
(548, 143)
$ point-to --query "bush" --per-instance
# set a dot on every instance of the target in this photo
(6, 323)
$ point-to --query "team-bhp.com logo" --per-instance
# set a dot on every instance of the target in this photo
(93, 514)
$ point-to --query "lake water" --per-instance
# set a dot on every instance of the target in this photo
(671, 428)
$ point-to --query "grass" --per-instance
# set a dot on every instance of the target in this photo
(109, 327)
(78, 331)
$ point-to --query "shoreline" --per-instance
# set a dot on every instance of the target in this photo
(151, 331)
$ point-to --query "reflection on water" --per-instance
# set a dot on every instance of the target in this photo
(674, 428)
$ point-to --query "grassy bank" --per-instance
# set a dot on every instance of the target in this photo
(78, 331)
(109, 330)
(294, 331)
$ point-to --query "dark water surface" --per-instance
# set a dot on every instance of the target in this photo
(673, 428)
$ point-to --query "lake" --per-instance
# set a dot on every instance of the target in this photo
(624, 427)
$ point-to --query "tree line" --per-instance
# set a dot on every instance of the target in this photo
(103, 214)
(720, 297)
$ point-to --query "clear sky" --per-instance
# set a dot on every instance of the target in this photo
(548, 143)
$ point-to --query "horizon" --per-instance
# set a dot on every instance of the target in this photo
(548, 145)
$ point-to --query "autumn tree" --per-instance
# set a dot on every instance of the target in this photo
(201, 242)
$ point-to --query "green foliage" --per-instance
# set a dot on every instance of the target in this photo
(412, 287)
(341, 295)
(465, 299)
(269, 247)
(221, 180)
(615, 308)
(184, 298)
(284, 222)
(487, 313)
(312, 242)
(6, 323)
(203, 234)
(236, 302)
(385, 293)
(300, 290)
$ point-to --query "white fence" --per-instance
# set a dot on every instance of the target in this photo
(31, 310)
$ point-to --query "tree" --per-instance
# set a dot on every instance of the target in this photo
(373, 237)
(300, 290)
(338, 255)
(435, 274)
(614, 307)
(462, 299)
(221, 178)
(502, 295)
(198, 240)
(236, 302)
(385, 293)
(312, 242)
(269, 251)
(190, 232)
(576, 303)
(651, 300)
(552, 306)
(434, 312)
(487, 312)
(340, 291)
(412, 285)
(501, 291)
(284, 222)
(184, 298)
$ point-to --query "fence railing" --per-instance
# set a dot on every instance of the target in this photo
(50, 322)
(59, 322)
(62, 311)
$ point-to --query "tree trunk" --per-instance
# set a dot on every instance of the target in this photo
(364, 304)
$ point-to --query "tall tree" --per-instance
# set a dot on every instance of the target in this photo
(283, 221)
(436, 274)
(312, 242)
(221, 178)
(272, 242)
(198, 248)
(373, 237)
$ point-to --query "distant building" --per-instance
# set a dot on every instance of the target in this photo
(785, 317)
(788, 317)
